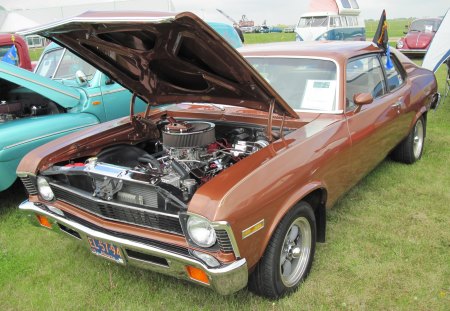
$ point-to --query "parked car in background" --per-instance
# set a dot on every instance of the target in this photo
(331, 20)
(230, 186)
(35, 110)
(22, 59)
(419, 36)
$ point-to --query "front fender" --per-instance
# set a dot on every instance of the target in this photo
(19, 137)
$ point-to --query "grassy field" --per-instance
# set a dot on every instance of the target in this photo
(395, 27)
(35, 53)
(388, 248)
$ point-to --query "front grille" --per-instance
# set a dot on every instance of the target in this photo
(29, 185)
(224, 241)
(162, 245)
(119, 212)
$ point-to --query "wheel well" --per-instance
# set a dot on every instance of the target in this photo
(317, 200)
(424, 115)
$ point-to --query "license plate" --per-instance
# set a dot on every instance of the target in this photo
(105, 249)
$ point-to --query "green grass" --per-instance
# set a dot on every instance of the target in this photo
(396, 27)
(388, 248)
(251, 38)
(35, 53)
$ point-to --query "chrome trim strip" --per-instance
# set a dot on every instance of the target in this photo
(41, 84)
(94, 199)
(223, 225)
(47, 135)
(226, 279)
(95, 95)
(114, 91)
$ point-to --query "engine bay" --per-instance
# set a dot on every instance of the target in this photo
(187, 155)
(19, 102)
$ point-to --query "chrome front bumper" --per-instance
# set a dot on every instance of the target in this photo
(225, 279)
(413, 51)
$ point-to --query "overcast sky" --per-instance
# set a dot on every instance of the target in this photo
(275, 12)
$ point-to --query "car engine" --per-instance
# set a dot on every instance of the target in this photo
(19, 102)
(187, 155)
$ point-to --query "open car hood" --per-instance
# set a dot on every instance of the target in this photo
(165, 58)
(63, 95)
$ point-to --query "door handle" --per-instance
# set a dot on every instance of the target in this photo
(397, 104)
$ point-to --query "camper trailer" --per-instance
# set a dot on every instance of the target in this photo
(331, 20)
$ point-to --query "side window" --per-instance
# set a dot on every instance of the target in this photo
(393, 75)
(335, 21)
(364, 75)
(48, 63)
(70, 64)
(349, 20)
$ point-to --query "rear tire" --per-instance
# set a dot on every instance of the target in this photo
(288, 257)
(411, 148)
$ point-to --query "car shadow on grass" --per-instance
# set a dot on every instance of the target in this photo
(12, 197)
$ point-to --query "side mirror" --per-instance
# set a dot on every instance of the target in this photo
(361, 99)
(109, 81)
(81, 78)
(405, 32)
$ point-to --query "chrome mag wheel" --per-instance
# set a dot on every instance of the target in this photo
(418, 139)
(295, 252)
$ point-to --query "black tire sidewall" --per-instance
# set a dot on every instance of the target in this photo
(302, 209)
(411, 146)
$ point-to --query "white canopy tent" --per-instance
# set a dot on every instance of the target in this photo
(439, 49)
(14, 21)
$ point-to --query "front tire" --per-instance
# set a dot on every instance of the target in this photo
(288, 257)
(411, 148)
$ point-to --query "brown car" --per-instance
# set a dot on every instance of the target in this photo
(229, 185)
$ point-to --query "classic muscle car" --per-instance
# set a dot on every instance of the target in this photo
(230, 185)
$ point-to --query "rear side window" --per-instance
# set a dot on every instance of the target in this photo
(394, 75)
(364, 75)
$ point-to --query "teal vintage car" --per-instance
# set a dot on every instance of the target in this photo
(36, 109)
(65, 94)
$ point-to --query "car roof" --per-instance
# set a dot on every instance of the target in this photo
(337, 50)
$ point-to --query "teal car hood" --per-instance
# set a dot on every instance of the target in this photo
(63, 95)
(24, 131)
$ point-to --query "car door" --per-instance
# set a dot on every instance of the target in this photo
(373, 128)
(116, 99)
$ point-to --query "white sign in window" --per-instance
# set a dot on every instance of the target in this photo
(319, 95)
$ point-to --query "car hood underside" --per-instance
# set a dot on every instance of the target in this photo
(165, 58)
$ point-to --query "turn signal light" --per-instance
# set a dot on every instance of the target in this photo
(44, 221)
(197, 274)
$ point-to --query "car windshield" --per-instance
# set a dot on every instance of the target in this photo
(313, 21)
(304, 83)
(425, 25)
(62, 64)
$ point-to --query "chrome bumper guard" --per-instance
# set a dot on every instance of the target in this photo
(225, 279)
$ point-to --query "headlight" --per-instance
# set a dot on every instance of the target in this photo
(400, 44)
(44, 189)
(201, 231)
